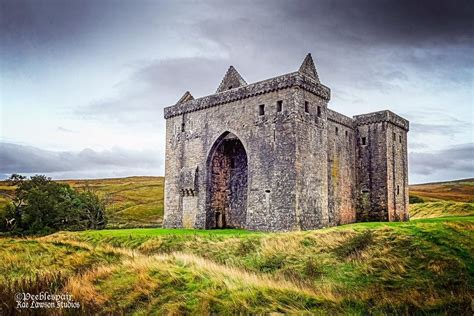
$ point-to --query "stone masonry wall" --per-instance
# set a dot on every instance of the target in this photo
(341, 169)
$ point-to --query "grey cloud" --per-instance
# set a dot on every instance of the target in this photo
(457, 160)
(27, 159)
(156, 85)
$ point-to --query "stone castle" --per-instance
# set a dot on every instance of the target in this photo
(272, 156)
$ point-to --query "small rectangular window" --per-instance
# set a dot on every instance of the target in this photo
(182, 127)
(398, 190)
(319, 111)
(306, 106)
(394, 136)
(337, 130)
(400, 138)
(279, 105)
(364, 140)
(347, 134)
(261, 109)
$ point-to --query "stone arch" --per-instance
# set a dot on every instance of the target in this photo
(227, 183)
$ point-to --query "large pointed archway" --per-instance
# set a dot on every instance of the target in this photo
(227, 183)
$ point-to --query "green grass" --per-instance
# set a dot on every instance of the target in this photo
(422, 266)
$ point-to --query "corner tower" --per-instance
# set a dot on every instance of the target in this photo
(382, 167)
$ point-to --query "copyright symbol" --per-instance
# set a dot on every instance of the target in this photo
(18, 297)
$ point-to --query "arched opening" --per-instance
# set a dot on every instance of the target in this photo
(227, 183)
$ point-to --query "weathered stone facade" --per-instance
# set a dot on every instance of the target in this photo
(271, 156)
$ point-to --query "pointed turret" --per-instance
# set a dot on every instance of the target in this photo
(308, 68)
(187, 96)
(232, 79)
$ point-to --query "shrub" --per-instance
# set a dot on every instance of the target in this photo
(413, 199)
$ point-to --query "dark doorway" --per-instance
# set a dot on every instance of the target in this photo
(227, 184)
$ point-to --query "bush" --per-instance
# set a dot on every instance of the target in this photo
(413, 199)
(42, 206)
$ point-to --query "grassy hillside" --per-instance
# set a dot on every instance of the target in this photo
(458, 191)
(423, 266)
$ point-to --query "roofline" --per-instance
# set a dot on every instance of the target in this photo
(293, 79)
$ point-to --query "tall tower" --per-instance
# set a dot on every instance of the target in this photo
(382, 167)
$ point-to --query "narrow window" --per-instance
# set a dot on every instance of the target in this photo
(306, 106)
(182, 127)
(364, 141)
(400, 138)
(261, 108)
(279, 105)
(394, 136)
(319, 111)
(337, 131)
(398, 190)
(347, 134)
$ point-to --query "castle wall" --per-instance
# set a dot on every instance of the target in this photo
(397, 175)
(311, 161)
(371, 153)
(341, 169)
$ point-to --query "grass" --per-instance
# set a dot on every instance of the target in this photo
(422, 266)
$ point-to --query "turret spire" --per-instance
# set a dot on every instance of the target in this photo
(308, 68)
(232, 79)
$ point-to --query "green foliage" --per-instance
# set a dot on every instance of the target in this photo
(42, 206)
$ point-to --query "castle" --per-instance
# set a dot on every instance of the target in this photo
(271, 156)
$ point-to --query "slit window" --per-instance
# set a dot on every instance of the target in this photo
(182, 127)
(319, 111)
(394, 136)
(347, 134)
(261, 109)
(398, 189)
(337, 130)
(279, 105)
(306, 106)
(364, 141)
(400, 138)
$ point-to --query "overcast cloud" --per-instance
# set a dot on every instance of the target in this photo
(83, 84)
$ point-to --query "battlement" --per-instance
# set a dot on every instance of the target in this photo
(381, 116)
(294, 79)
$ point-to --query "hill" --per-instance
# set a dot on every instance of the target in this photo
(419, 267)
(457, 190)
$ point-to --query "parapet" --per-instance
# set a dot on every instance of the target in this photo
(274, 84)
(381, 116)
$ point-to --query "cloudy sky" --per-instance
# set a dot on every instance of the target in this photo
(83, 83)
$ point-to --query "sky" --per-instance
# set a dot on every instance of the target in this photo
(83, 83)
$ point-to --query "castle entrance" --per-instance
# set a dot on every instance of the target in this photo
(227, 183)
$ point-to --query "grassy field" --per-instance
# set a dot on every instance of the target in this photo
(424, 266)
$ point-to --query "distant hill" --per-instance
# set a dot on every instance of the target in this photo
(457, 190)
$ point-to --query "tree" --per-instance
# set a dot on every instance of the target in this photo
(42, 206)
